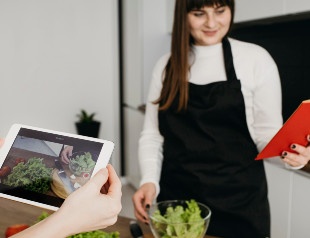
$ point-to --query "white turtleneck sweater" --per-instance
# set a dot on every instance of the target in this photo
(260, 86)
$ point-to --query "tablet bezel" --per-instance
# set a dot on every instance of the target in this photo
(103, 157)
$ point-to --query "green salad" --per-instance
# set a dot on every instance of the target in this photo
(33, 176)
(96, 234)
(180, 222)
(82, 163)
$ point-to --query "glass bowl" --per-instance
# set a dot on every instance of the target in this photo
(81, 163)
(179, 218)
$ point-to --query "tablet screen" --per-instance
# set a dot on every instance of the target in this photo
(46, 167)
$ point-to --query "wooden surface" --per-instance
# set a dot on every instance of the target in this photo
(19, 213)
(12, 212)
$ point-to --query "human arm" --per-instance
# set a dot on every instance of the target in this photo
(267, 112)
(150, 148)
(150, 160)
(266, 99)
(99, 200)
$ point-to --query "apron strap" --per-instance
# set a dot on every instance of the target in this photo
(228, 60)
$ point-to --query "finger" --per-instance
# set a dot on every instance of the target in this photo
(115, 185)
(148, 201)
(303, 153)
(65, 160)
(1, 142)
(138, 201)
(100, 178)
(290, 162)
(294, 159)
(298, 148)
(139, 216)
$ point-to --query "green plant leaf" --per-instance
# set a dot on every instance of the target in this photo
(85, 117)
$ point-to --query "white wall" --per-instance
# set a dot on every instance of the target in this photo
(147, 28)
(57, 57)
(156, 36)
(147, 37)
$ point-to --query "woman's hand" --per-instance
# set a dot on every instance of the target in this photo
(298, 159)
(86, 209)
(66, 153)
(142, 201)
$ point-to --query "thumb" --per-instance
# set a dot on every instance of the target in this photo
(100, 178)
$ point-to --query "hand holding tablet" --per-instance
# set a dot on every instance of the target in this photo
(38, 175)
(99, 209)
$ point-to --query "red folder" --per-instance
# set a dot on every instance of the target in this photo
(294, 130)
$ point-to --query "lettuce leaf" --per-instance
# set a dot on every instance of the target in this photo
(181, 222)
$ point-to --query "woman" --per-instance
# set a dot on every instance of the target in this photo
(214, 103)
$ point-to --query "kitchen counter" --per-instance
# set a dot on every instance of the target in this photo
(17, 213)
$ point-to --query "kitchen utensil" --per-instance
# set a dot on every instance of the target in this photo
(135, 230)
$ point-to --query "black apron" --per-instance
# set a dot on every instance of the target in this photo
(209, 156)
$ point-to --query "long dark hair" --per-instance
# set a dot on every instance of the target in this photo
(175, 74)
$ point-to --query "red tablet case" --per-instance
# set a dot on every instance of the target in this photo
(294, 130)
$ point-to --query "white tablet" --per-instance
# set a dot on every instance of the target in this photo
(42, 167)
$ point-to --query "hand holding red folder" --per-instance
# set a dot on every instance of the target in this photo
(293, 131)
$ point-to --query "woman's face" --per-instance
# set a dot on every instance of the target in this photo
(209, 25)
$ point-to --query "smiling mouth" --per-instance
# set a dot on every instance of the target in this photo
(209, 33)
